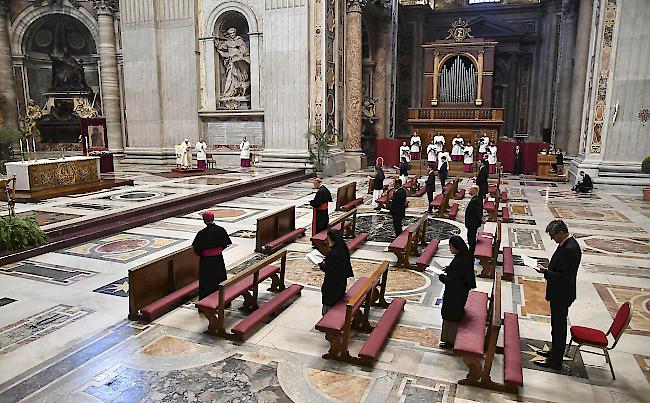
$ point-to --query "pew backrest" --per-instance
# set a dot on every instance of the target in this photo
(345, 194)
(273, 225)
(154, 280)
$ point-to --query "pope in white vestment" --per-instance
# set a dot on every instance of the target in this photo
(186, 154)
(201, 156)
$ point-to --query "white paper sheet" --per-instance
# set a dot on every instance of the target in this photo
(315, 257)
(529, 261)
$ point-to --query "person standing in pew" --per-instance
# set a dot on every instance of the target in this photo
(473, 217)
(398, 207)
(458, 279)
(560, 289)
(209, 244)
(443, 170)
(321, 214)
(482, 179)
(377, 184)
(430, 186)
(337, 268)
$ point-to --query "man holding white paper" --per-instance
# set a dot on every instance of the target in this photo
(560, 289)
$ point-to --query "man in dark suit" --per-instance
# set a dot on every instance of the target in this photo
(518, 160)
(398, 207)
(560, 289)
(473, 217)
(585, 184)
(482, 179)
(430, 186)
(442, 173)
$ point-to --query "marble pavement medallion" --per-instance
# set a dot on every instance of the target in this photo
(606, 227)
(567, 195)
(533, 299)
(87, 206)
(634, 248)
(644, 364)
(231, 380)
(342, 387)
(122, 248)
(520, 209)
(137, 196)
(172, 226)
(588, 214)
(206, 181)
(614, 296)
(525, 238)
(49, 273)
(39, 325)
(299, 270)
(290, 194)
(616, 270)
(380, 227)
(228, 214)
(412, 389)
(48, 217)
(515, 192)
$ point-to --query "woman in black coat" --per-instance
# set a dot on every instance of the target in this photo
(337, 268)
(458, 279)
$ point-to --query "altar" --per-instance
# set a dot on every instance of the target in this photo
(55, 177)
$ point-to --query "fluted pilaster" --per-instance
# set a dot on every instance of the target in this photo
(7, 83)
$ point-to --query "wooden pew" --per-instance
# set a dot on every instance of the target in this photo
(412, 185)
(454, 186)
(346, 197)
(385, 199)
(406, 244)
(441, 202)
(276, 229)
(158, 287)
(478, 349)
(353, 311)
(245, 284)
(347, 223)
(487, 250)
(492, 207)
(508, 264)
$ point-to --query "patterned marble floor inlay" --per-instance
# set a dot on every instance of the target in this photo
(87, 206)
(49, 273)
(247, 234)
(614, 296)
(231, 380)
(48, 217)
(530, 350)
(170, 345)
(341, 387)
(119, 288)
(305, 272)
(525, 238)
(122, 248)
(635, 248)
(520, 209)
(380, 227)
(137, 196)
(644, 364)
(416, 390)
(617, 270)
(588, 214)
(228, 214)
(39, 325)
(6, 301)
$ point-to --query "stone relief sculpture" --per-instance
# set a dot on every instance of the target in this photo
(67, 74)
(235, 75)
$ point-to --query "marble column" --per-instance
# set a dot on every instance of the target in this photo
(109, 76)
(380, 77)
(565, 72)
(7, 83)
(580, 64)
(353, 92)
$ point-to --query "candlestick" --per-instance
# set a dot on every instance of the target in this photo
(20, 141)
(33, 144)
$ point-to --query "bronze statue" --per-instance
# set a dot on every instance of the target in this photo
(68, 74)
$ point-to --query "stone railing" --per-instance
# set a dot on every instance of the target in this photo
(457, 114)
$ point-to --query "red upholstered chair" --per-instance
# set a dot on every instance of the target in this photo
(586, 336)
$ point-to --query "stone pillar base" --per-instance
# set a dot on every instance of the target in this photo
(622, 177)
(355, 160)
(283, 159)
(335, 162)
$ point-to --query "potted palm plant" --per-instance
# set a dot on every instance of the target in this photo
(318, 141)
(645, 167)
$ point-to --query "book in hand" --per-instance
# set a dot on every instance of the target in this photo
(315, 257)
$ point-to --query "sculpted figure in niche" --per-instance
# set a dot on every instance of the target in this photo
(235, 58)
(67, 74)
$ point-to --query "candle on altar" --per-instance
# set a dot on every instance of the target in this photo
(33, 144)
(20, 141)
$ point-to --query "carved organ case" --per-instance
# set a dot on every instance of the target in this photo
(457, 93)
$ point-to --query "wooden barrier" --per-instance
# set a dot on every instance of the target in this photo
(275, 226)
(157, 280)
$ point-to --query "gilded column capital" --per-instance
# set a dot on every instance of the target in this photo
(105, 7)
(355, 6)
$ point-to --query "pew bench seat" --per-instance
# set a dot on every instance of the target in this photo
(334, 319)
(357, 241)
(169, 302)
(453, 211)
(505, 214)
(252, 321)
(437, 201)
(483, 245)
(460, 195)
(286, 238)
(512, 369)
(420, 192)
(427, 254)
(354, 203)
(508, 263)
(470, 337)
(504, 196)
(377, 339)
(210, 303)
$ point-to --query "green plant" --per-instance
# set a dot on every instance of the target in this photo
(8, 135)
(645, 165)
(19, 232)
(318, 141)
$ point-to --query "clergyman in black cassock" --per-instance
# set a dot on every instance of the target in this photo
(337, 268)
(321, 215)
(482, 179)
(209, 244)
(561, 277)
(430, 186)
(518, 160)
(398, 207)
(473, 217)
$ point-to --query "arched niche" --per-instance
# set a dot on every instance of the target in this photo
(232, 70)
(226, 15)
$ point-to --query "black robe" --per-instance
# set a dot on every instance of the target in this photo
(518, 162)
(430, 184)
(458, 280)
(212, 269)
(442, 172)
(482, 181)
(378, 181)
(321, 215)
(404, 169)
(398, 204)
(337, 268)
(474, 213)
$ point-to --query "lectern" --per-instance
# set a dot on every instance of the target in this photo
(544, 168)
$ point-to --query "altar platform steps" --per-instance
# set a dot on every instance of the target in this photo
(77, 233)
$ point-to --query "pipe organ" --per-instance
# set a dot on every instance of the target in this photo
(457, 93)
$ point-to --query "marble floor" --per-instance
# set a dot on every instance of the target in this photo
(64, 336)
